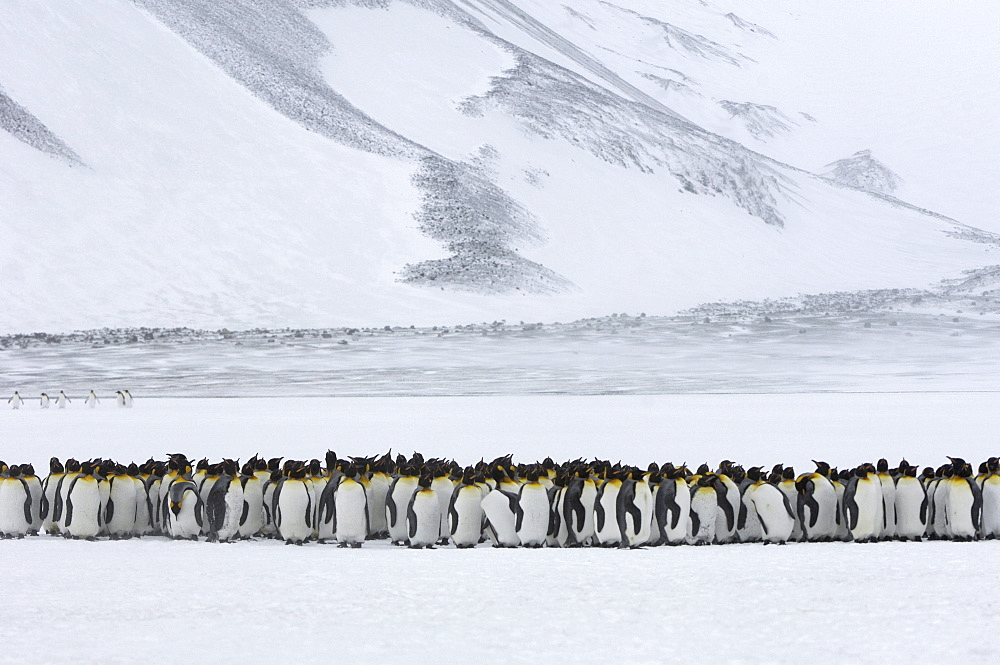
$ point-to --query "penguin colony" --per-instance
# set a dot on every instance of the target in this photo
(423, 503)
(122, 398)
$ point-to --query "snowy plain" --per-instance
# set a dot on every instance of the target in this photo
(266, 602)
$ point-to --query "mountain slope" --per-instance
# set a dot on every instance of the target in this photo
(318, 163)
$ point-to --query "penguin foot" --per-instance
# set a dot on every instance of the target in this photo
(356, 545)
(342, 545)
(91, 539)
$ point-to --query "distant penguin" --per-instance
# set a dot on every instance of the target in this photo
(49, 488)
(500, 509)
(83, 505)
(292, 507)
(888, 500)
(128, 399)
(991, 499)
(15, 401)
(964, 502)
(119, 398)
(578, 508)
(911, 506)
(532, 517)
(863, 506)
(92, 400)
(777, 518)
(352, 520)
(816, 504)
(226, 509)
(423, 516)
(704, 508)
(44, 400)
(672, 507)
(62, 400)
(120, 510)
(465, 512)
(185, 510)
(397, 499)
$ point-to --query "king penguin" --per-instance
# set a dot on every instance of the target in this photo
(532, 518)
(253, 495)
(226, 509)
(351, 520)
(888, 500)
(672, 507)
(423, 516)
(292, 505)
(777, 519)
(396, 501)
(578, 508)
(862, 506)
(49, 487)
(911, 506)
(964, 502)
(15, 401)
(609, 531)
(44, 400)
(62, 400)
(92, 400)
(378, 490)
(465, 511)
(17, 513)
(185, 510)
(704, 508)
(500, 510)
(120, 509)
(991, 499)
(748, 526)
(816, 504)
(83, 505)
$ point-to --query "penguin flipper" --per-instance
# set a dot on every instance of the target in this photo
(368, 518)
(216, 508)
(518, 514)
(57, 506)
(199, 510)
(923, 510)
(390, 504)
(741, 521)
(69, 501)
(722, 498)
(851, 511)
(309, 510)
(245, 514)
(27, 501)
(599, 510)
(695, 522)
(812, 504)
(977, 504)
(109, 510)
(43, 504)
(452, 513)
(411, 517)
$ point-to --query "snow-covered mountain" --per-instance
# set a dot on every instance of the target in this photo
(330, 162)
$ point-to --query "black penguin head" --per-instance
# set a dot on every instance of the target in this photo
(861, 472)
(707, 480)
(753, 473)
(703, 469)
(276, 475)
(532, 475)
(202, 464)
(788, 473)
(274, 463)
(14, 471)
(425, 481)
(822, 468)
(55, 466)
(331, 460)
(882, 466)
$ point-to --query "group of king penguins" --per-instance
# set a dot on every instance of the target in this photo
(122, 398)
(424, 503)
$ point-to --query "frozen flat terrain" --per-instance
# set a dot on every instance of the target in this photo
(266, 602)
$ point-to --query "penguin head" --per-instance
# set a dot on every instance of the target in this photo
(532, 475)
(882, 466)
(753, 473)
(707, 480)
(822, 468)
(72, 466)
(132, 470)
(861, 472)
(702, 470)
(276, 476)
(202, 464)
(55, 466)
(788, 473)
(14, 471)
(425, 481)
(230, 467)
(993, 464)
(175, 507)
(274, 463)
(331, 460)
(260, 464)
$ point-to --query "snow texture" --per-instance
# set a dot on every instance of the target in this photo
(24, 126)
(749, 27)
(553, 102)
(862, 171)
(761, 120)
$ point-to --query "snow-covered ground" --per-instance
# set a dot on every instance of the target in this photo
(156, 600)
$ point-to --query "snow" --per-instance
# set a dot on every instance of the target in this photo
(79, 602)
(207, 198)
